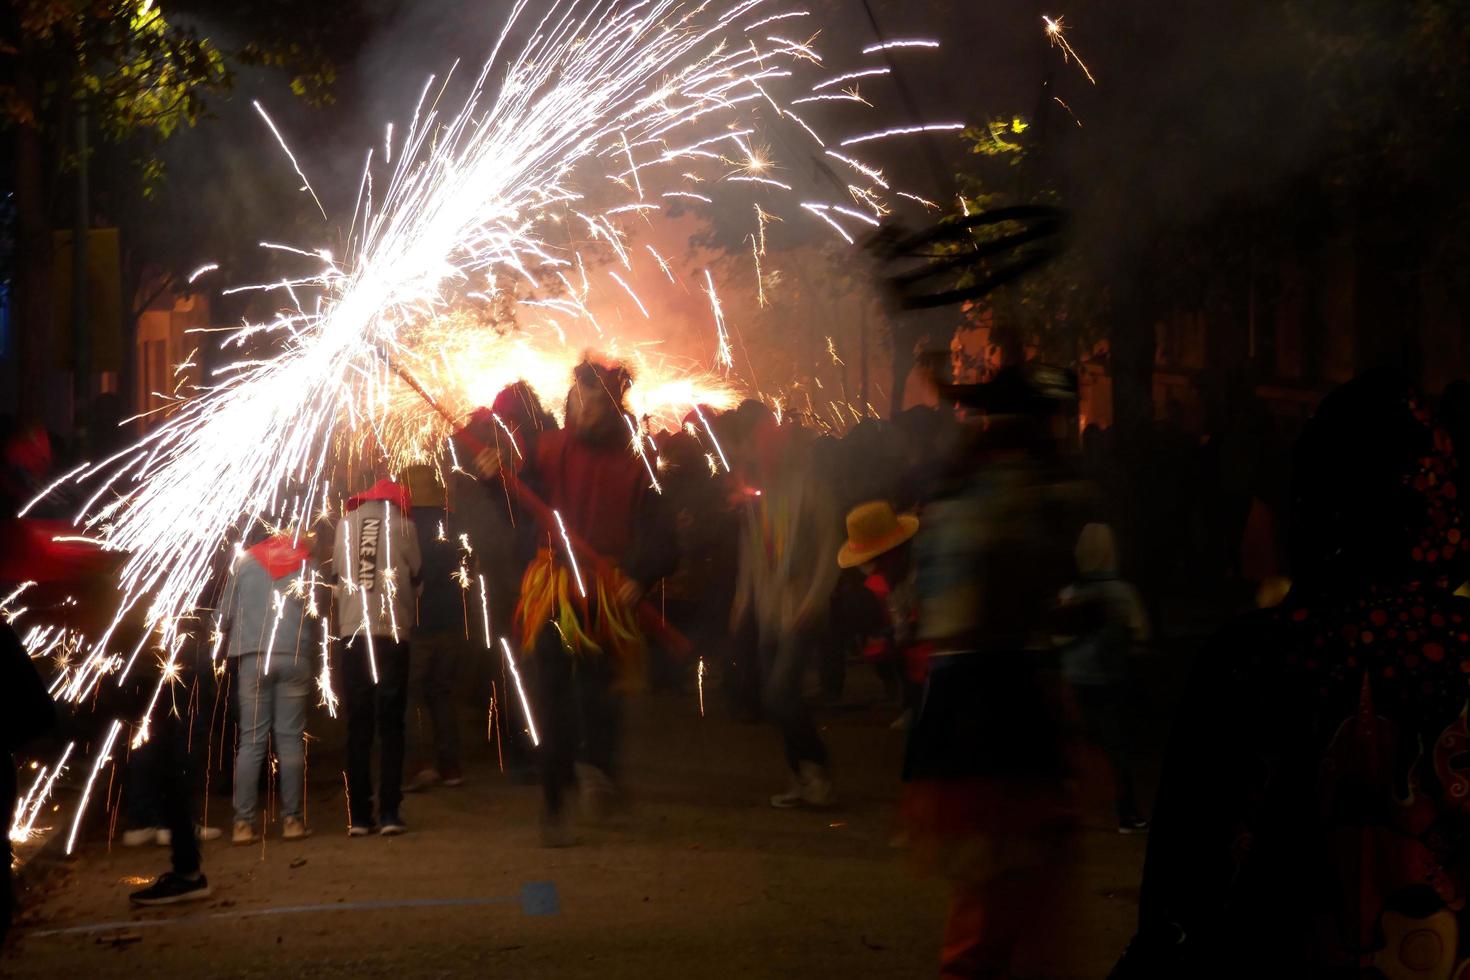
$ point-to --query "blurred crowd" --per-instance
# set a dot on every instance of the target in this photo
(972, 556)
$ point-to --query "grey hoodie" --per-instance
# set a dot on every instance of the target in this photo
(264, 615)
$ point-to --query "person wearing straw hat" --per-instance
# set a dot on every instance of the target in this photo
(874, 530)
(878, 545)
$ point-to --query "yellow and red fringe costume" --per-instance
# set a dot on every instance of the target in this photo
(593, 625)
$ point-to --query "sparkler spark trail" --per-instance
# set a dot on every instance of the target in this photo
(708, 428)
(1056, 33)
(485, 612)
(305, 184)
(890, 45)
(851, 76)
(97, 765)
(903, 131)
(29, 808)
(571, 555)
(699, 679)
(460, 267)
(520, 692)
(724, 355)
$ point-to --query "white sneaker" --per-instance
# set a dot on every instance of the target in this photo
(818, 790)
(811, 787)
(598, 793)
(163, 837)
(788, 799)
(294, 828)
(243, 833)
(139, 837)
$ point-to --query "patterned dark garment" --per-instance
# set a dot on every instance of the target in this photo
(1314, 814)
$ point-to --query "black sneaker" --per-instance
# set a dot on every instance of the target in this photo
(171, 888)
(391, 825)
(1132, 825)
(362, 830)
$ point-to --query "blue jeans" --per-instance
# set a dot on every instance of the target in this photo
(273, 703)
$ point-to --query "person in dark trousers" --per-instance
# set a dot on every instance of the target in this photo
(580, 625)
(26, 713)
(504, 539)
(185, 881)
(171, 757)
(377, 562)
(445, 620)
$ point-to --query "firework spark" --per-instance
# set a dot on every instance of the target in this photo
(466, 248)
(520, 691)
(97, 765)
(1056, 32)
(699, 678)
(571, 554)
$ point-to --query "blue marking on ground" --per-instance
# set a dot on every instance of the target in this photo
(536, 898)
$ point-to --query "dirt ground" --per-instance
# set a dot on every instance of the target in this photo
(699, 878)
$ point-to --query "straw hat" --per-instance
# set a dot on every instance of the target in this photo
(872, 529)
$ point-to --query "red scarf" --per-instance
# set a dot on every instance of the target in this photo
(383, 490)
(279, 555)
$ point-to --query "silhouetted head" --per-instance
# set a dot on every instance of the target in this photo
(1375, 495)
(596, 401)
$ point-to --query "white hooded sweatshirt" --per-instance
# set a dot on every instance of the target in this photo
(377, 562)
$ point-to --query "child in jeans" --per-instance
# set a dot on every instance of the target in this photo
(267, 613)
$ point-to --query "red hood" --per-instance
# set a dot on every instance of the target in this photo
(383, 490)
(279, 555)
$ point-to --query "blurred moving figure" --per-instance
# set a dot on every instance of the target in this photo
(989, 757)
(1312, 817)
(581, 625)
(1096, 665)
(784, 585)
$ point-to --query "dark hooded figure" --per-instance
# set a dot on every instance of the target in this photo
(503, 539)
(1312, 819)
